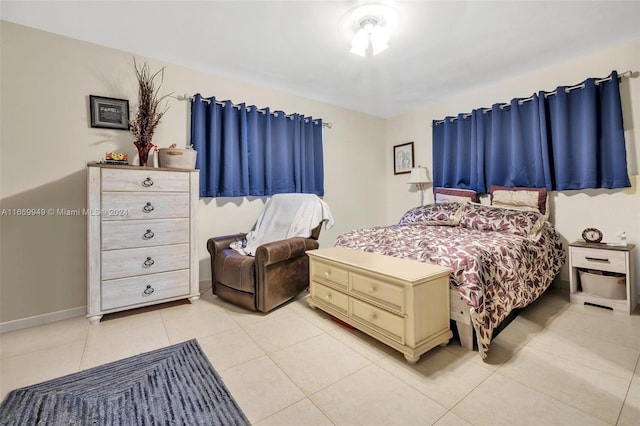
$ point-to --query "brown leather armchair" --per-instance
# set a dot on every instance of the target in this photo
(278, 272)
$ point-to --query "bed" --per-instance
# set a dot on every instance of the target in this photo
(502, 256)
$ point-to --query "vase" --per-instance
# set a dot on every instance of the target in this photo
(143, 152)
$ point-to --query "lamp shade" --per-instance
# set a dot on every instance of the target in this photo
(419, 175)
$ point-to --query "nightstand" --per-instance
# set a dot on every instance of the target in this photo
(587, 261)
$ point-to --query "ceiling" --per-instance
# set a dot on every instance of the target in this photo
(440, 47)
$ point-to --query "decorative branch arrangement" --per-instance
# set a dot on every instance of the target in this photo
(149, 111)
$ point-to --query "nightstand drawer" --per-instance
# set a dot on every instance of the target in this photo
(144, 181)
(133, 205)
(380, 320)
(328, 296)
(376, 291)
(142, 290)
(329, 274)
(599, 259)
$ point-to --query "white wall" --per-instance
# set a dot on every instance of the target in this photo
(611, 211)
(46, 141)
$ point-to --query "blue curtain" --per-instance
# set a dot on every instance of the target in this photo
(454, 154)
(572, 139)
(243, 151)
(587, 136)
(515, 145)
(503, 146)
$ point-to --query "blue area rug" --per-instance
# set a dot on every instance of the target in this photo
(175, 385)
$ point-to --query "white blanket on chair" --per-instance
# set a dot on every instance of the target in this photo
(286, 216)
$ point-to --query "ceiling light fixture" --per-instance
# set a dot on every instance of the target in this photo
(372, 32)
(369, 28)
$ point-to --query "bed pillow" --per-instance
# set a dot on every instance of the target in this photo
(448, 195)
(524, 223)
(533, 199)
(434, 214)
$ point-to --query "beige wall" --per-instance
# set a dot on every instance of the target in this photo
(612, 211)
(46, 142)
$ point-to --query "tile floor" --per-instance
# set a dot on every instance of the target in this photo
(556, 363)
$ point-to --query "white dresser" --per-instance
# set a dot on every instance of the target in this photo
(141, 239)
(402, 303)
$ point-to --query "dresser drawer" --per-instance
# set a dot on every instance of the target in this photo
(386, 323)
(376, 291)
(144, 180)
(602, 260)
(142, 290)
(119, 234)
(459, 307)
(142, 261)
(330, 297)
(329, 274)
(133, 205)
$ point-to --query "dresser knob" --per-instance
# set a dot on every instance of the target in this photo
(326, 275)
(147, 291)
(148, 208)
(373, 317)
(148, 263)
(328, 297)
(147, 183)
(148, 235)
(372, 290)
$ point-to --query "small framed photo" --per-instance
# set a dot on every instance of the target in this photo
(403, 158)
(109, 113)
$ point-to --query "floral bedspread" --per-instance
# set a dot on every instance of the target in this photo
(494, 271)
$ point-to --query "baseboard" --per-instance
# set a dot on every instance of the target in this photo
(205, 286)
(19, 324)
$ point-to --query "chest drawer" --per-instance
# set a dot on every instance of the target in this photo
(120, 234)
(133, 205)
(145, 289)
(378, 319)
(602, 260)
(142, 261)
(329, 274)
(144, 181)
(380, 292)
(329, 296)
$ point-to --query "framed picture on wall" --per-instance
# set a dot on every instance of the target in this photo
(109, 113)
(403, 158)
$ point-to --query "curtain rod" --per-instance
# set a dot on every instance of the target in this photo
(186, 97)
(625, 74)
